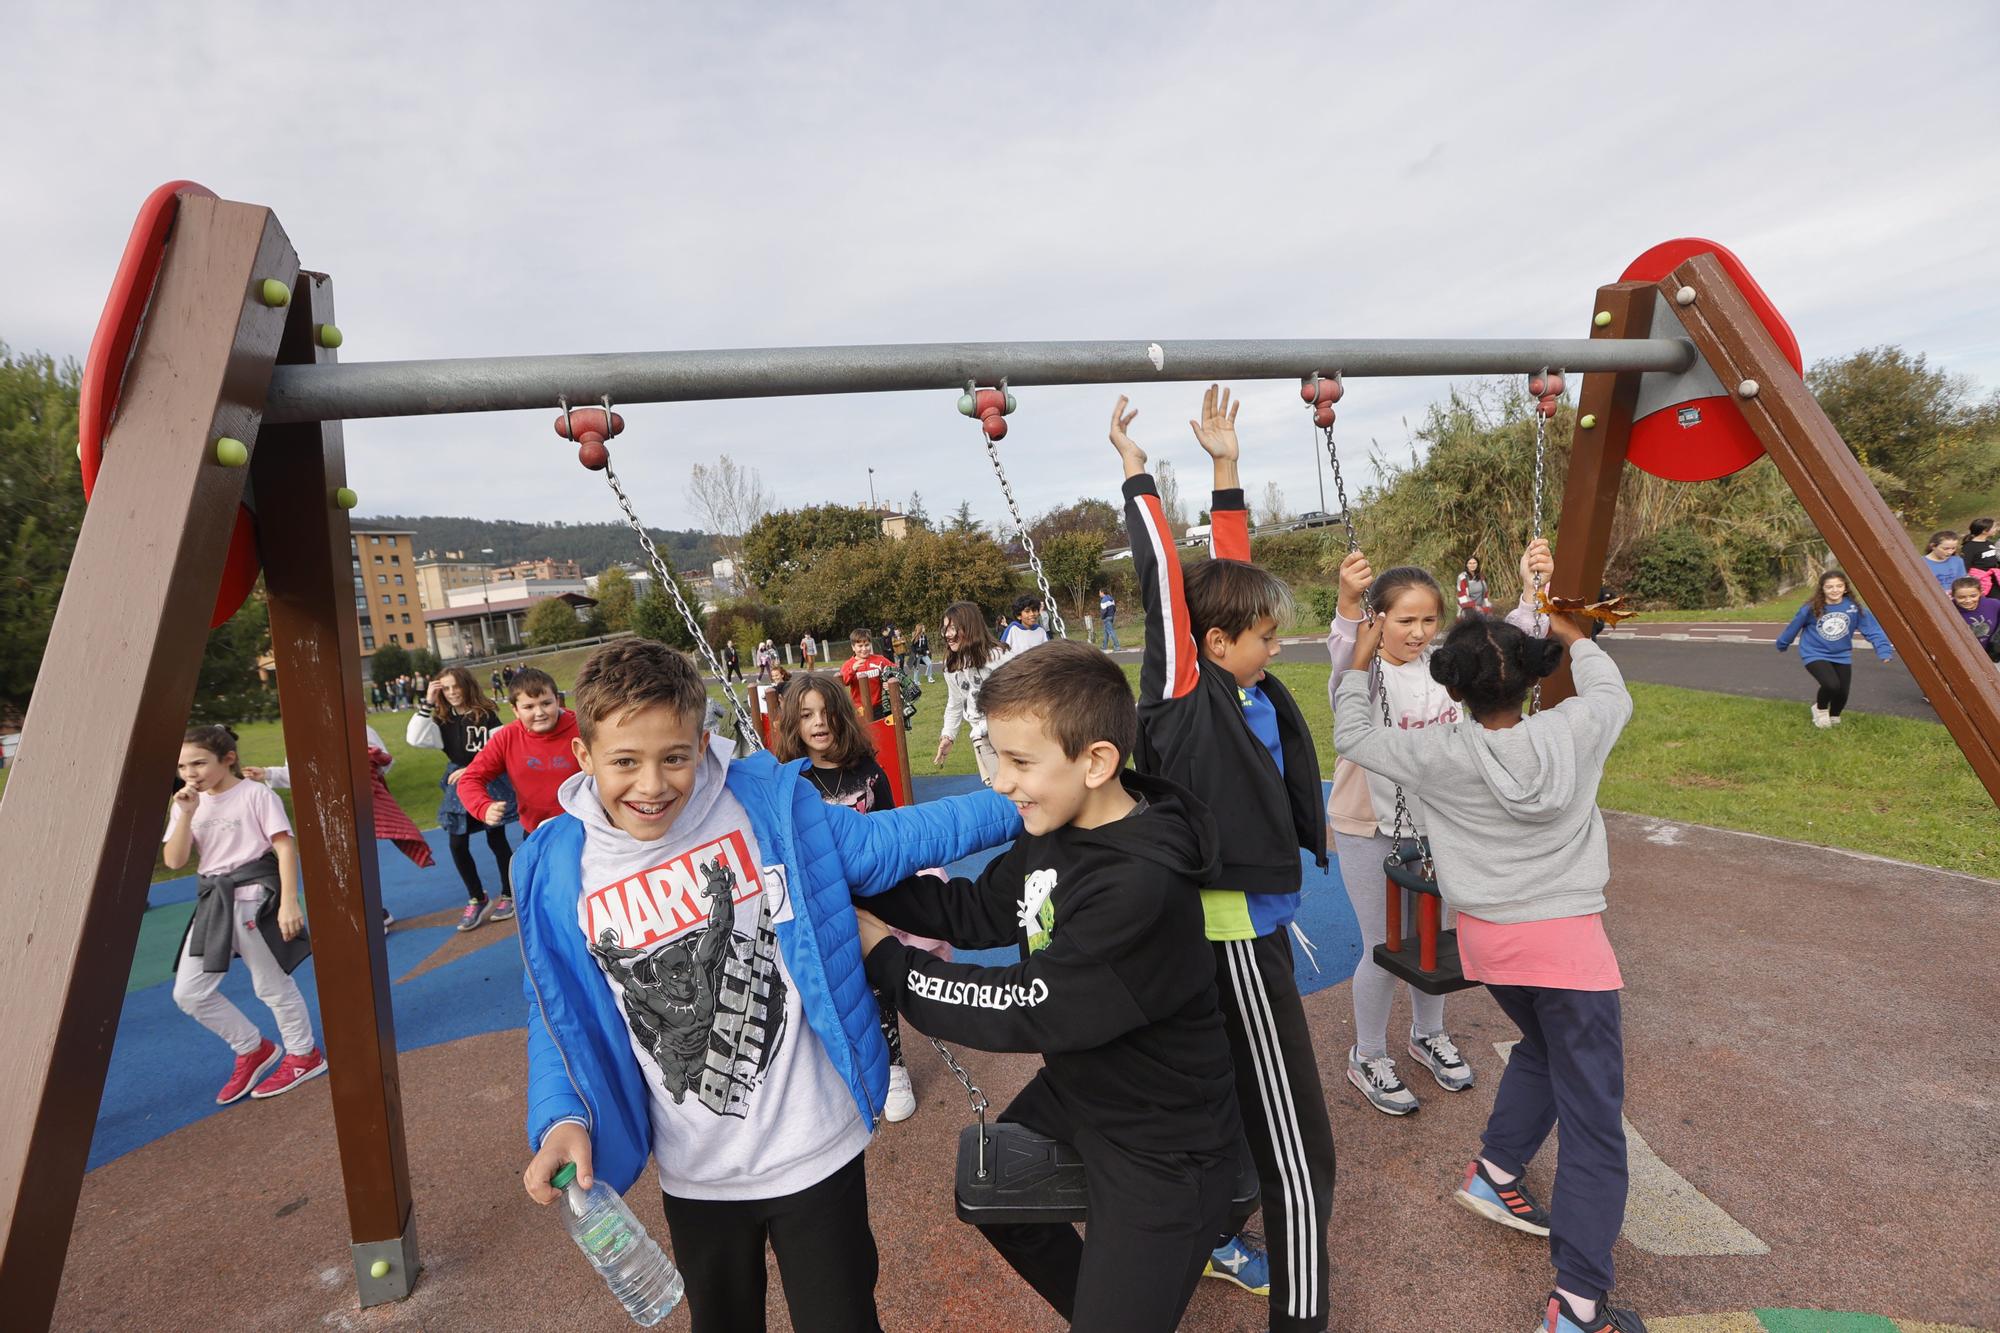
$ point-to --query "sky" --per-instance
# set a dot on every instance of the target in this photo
(507, 179)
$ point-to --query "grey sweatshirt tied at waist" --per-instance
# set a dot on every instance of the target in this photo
(211, 932)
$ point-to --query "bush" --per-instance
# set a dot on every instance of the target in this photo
(424, 662)
(1322, 601)
(745, 623)
(390, 661)
(1295, 557)
(552, 621)
(1674, 571)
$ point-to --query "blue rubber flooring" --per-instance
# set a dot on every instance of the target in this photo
(165, 1067)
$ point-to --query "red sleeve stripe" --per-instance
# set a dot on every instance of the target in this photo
(1181, 672)
(1229, 534)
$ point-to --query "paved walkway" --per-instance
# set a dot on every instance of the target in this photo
(1811, 1053)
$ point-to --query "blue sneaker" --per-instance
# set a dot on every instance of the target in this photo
(1510, 1205)
(1560, 1319)
(1242, 1263)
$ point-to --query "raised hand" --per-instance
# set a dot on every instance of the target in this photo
(1355, 579)
(1121, 420)
(1536, 560)
(1216, 431)
(186, 798)
(1367, 639)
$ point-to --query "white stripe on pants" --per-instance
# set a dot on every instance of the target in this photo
(199, 995)
(1374, 990)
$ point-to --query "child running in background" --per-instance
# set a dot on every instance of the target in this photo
(535, 753)
(1981, 614)
(1825, 628)
(971, 652)
(457, 718)
(1115, 987)
(249, 906)
(1361, 809)
(696, 991)
(817, 722)
(862, 674)
(1213, 720)
(1026, 629)
(1946, 564)
(1510, 804)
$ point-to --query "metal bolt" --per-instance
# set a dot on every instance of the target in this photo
(231, 453)
(274, 293)
(329, 336)
(1748, 388)
(346, 498)
(1685, 296)
(1587, 421)
(1602, 319)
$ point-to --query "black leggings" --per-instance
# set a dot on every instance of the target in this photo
(1833, 678)
(461, 856)
(892, 1030)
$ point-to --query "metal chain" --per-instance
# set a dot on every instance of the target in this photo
(1535, 531)
(1021, 527)
(1340, 492)
(744, 724)
(972, 1092)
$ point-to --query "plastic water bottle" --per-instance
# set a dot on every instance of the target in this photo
(631, 1262)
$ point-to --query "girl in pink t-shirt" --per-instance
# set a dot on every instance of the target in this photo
(248, 907)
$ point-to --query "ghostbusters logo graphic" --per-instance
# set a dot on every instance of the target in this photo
(705, 1002)
(1035, 913)
(1836, 625)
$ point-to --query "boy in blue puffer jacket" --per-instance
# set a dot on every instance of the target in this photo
(696, 993)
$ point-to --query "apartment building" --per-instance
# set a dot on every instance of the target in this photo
(387, 603)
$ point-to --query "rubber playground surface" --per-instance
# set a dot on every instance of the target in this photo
(1812, 1040)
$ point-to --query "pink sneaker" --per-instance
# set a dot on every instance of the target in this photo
(474, 915)
(249, 1068)
(503, 909)
(292, 1071)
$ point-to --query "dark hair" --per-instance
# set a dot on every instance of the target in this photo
(1393, 583)
(218, 740)
(850, 738)
(1979, 527)
(1941, 535)
(622, 677)
(533, 680)
(476, 704)
(1080, 695)
(1472, 560)
(1233, 595)
(976, 640)
(1027, 601)
(1818, 599)
(1971, 583)
(1490, 665)
(862, 634)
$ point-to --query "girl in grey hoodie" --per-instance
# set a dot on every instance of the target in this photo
(1510, 807)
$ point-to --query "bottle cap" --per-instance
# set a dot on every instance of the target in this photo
(562, 1178)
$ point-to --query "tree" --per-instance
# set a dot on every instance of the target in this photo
(1921, 433)
(1071, 560)
(41, 508)
(785, 543)
(229, 688)
(424, 662)
(915, 512)
(1096, 517)
(1169, 486)
(390, 661)
(615, 598)
(962, 523)
(935, 569)
(1273, 510)
(552, 621)
(655, 617)
(730, 501)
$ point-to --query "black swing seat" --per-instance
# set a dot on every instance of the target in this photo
(1033, 1178)
(1404, 867)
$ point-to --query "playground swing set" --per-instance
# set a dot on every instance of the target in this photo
(211, 448)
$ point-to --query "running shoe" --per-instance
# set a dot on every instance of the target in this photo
(902, 1103)
(1376, 1077)
(474, 915)
(503, 908)
(1438, 1054)
(292, 1071)
(1242, 1263)
(388, 918)
(249, 1068)
(1821, 718)
(1559, 1319)
(1510, 1205)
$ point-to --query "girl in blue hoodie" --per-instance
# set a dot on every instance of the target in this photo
(1825, 628)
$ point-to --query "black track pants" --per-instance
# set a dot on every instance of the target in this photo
(1834, 679)
(468, 869)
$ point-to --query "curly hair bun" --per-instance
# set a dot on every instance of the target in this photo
(1541, 657)
(1451, 666)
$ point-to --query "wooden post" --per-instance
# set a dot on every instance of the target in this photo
(1856, 522)
(86, 805)
(1596, 464)
(304, 542)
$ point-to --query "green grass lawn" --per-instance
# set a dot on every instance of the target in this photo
(1776, 609)
(1895, 787)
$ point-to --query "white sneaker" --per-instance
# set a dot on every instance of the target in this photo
(1821, 718)
(1439, 1054)
(1833, 719)
(1377, 1080)
(902, 1103)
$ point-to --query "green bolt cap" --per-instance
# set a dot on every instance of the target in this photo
(966, 404)
(1603, 319)
(231, 453)
(1010, 406)
(380, 1268)
(1586, 421)
(329, 336)
(346, 498)
(274, 293)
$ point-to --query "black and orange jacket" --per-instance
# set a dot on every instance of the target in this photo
(1191, 727)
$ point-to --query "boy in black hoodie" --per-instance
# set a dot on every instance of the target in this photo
(1211, 719)
(1115, 987)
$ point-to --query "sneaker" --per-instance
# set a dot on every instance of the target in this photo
(1378, 1083)
(292, 1071)
(1439, 1055)
(1821, 718)
(503, 908)
(249, 1068)
(902, 1103)
(1242, 1263)
(1510, 1205)
(474, 915)
(388, 918)
(1832, 720)
(1559, 1319)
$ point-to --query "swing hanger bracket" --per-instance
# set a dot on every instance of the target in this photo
(1320, 392)
(992, 406)
(590, 427)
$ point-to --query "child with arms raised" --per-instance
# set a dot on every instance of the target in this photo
(1211, 719)
(1115, 987)
(1510, 806)
(696, 994)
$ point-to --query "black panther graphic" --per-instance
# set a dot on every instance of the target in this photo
(710, 1007)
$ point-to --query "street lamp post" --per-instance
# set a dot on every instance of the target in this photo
(486, 598)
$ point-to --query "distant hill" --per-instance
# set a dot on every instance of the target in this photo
(594, 546)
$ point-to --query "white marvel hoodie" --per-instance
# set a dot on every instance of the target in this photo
(746, 1103)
